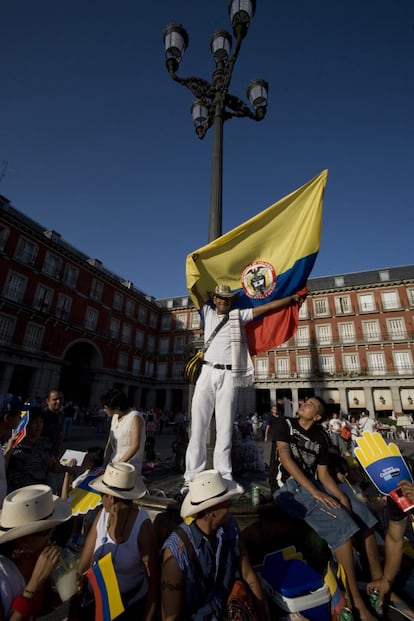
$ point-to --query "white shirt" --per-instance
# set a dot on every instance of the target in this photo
(220, 348)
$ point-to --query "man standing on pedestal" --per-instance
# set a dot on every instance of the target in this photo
(227, 366)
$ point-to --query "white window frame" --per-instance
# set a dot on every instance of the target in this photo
(403, 362)
(323, 334)
(118, 301)
(304, 366)
(33, 337)
(371, 330)
(181, 321)
(390, 300)
(321, 307)
(43, 298)
(139, 338)
(347, 332)
(282, 366)
(151, 343)
(366, 303)
(410, 295)
(63, 306)
(304, 310)
(142, 314)
(136, 365)
(52, 265)
(376, 363)
(261, 366)
(15, 286)
(195, 321)
(123, 361)
(114, 328)
(126, 333)
(164, 346)
(351, 363)
(70, 275)
(26, 251)
(91, 318)
(149, 368)
(179, 344)
(397, 329)
(326, 363)
(162, 369)
(343, 305)
(96, 291)
(4, 236)
(166, 322)
(7, 326)
(302, 337)
(129, 307)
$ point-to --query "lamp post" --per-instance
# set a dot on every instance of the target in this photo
(214, 104)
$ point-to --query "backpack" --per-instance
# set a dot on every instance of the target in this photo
(346, 432)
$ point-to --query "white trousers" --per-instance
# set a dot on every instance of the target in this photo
(214, 392)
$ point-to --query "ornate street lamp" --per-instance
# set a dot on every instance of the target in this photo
(214, 104)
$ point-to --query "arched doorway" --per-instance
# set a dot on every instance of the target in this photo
(81, 361)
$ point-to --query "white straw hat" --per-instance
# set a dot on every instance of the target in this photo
(30, 510)
(207, 489)
(120, 480)
(224, 291)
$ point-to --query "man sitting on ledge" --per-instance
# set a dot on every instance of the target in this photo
(306, 490)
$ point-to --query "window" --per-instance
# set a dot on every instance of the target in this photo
(91, 318)
(123, 361)
(136, 365)
(366, 303)
(170, 303)
(142, 314)
(327, 364)
(304, 366)
(302, 336)
(376, 363)
(195, 321)
(403, 362)
(179, 344)
(96, 290)
(7, 324)
(151, 343)
(33, 337)
(181, 321)
(410, 294)
(371, 330)
(384, 275)
(162, 370)
(166, 322)
(390, 300)
(139, 339)
(304, 311)
(114, 327)
(396, 329)
(324, 334)
(339, 281)
(52, 265)
(164, 345)
(153, 320)
(126, 333)
(129, 307)
(261, 367)
(63, 306)
(4, 236)
(347, 332)
(15, 287)
(321, 307)
(343, 305)
(178, 369)
(43, 298)
(118, 301)
(184, 301)
(149, 368)
(26, 251)
(70, 276)
(282, 367)
(351, 363)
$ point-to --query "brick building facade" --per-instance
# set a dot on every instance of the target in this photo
(67, 321)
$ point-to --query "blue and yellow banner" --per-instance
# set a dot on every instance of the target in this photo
(104, 583)
(268, 257)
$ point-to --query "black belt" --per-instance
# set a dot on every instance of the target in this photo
(216, 365)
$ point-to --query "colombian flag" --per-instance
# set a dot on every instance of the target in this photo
(104, 583)
(268, 257)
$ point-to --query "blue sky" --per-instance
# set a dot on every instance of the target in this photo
(100, 145)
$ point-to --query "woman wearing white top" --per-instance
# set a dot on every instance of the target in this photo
(126, 440)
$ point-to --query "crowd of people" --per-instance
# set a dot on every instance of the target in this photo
(191, 576)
